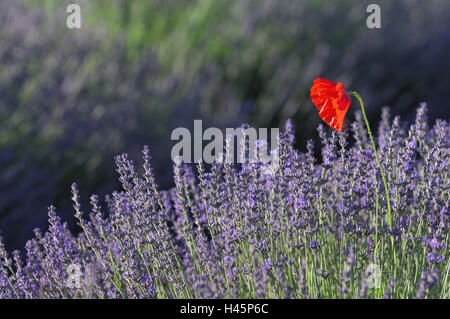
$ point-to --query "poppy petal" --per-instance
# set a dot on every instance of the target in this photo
(332, 101)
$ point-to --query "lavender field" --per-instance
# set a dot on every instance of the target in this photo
(347, 212)
(309, 231)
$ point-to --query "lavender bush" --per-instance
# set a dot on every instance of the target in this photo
(309, 231)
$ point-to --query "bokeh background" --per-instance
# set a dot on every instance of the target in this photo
(72, 99)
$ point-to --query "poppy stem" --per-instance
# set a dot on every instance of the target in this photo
(386, 187)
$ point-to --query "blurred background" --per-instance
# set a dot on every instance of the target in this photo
(71, 99)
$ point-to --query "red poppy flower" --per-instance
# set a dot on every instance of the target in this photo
(332, 101)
